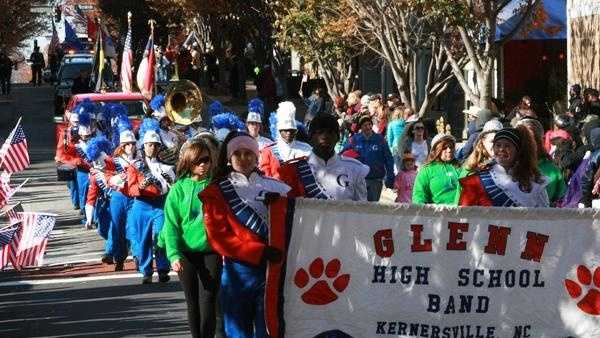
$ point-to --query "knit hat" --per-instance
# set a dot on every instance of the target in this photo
(243, 141)
(492, 125)
(324, 122)
(509, 134)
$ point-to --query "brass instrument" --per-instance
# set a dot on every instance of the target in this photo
(183, 102)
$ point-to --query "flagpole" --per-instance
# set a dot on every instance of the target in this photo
(9, 137)
(152, 22)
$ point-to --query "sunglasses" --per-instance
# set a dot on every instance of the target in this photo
(419, 127)
(202, 160)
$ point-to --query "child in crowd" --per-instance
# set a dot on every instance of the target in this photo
(404, 181)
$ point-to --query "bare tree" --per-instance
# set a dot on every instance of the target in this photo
(478, 38)
(402, 33)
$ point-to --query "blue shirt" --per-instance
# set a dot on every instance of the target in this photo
(375, 153)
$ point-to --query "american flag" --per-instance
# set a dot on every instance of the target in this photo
(6, 191)
(33, 239)
(13, 213)
(13, 154)
(126, 69)
(6, 236)
(145, 73)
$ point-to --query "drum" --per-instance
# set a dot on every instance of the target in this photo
(65, 172)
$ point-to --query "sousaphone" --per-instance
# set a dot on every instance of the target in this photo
(183, 102)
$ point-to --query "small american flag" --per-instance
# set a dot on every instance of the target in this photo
(6, 236)
(6, 191)
(13, 154)
(126, 62)
(13, 213)
(33, 239)
(145, 72)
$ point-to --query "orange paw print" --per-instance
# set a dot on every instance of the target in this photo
(590, 303)
(321, 293)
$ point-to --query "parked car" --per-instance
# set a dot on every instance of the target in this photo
(137, 107)
(70, 67)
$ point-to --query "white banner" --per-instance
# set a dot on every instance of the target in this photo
(367, 270)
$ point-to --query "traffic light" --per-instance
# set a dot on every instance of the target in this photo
(57, 13)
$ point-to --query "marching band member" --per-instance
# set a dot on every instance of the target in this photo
(286, 148)
(85, 133)
(66, 155)
(254, 123)
(120, 202)
(325, 174)
(224, 123)
(513, 180)
(97, 207)
(236, 219)
(149, 182)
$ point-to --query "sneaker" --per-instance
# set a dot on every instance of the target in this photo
(119, 266)
(164, 277)
(106, 259)
(147, 280)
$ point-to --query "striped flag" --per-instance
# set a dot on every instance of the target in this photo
(145, 73)
(54, 42)
(32, 240)
(6, 236)
(98, 67)
(126, 64)
(14, 156)
(6, 191)
(13, 213)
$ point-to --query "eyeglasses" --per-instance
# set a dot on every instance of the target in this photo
(202, 160)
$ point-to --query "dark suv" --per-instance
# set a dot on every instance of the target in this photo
(70, 68)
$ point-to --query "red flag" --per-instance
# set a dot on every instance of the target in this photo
(14, 156)
(91, 29)
(145, 74)
(33, 239)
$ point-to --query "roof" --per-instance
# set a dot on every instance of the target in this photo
(554, 28)
(119, 96)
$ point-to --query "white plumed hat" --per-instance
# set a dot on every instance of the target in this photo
(286, 116)
(127, 136)
(151, 137)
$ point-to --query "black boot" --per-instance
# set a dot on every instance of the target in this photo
(163, 276)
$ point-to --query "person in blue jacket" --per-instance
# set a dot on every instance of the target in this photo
(372, 150)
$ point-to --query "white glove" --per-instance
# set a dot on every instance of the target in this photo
(89, 214)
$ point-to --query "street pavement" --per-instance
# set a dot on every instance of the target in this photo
(73, 295)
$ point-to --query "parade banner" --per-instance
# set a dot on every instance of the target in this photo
(370, 270)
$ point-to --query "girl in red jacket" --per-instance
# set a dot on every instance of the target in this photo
(236, 219)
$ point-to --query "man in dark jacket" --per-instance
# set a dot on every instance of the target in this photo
(6, 66)
(37, 64)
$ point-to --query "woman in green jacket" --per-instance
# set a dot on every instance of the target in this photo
(184, 237)
(437, 179)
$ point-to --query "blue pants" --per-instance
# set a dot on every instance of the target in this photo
(119, 207)
(147, 218)
(83, 182)
(72, 185)
(242, 300)
(102, 219)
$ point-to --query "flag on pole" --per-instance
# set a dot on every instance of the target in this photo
(109, 46)
(13, 213)
(98, 62)
(145, 73)
(6, 191)
(71, 39)
(92, 29)
(54, 41)
(14, 156)
(6, 236)
(126, 64)
(33, 239)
